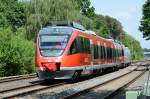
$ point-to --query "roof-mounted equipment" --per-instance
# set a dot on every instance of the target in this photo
(66, 23)
(90, 32)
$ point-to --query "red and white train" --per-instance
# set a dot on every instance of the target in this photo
(66, 51)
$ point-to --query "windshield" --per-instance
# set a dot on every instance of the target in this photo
(53, 45)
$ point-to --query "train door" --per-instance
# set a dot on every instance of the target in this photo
(78, 41)
(84, 45)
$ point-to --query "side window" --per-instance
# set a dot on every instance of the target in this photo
(108, 54)
(105, 53)
(85, 45)
(122, 53)
(102, 52)
(114, 52)
(99, 52)
(82, 44)
(87, 42)
(73, 48)
(96, 52)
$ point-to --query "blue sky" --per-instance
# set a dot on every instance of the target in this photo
(128, 12)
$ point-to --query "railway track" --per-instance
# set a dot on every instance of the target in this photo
(21, 77)
(15, 78)
(66, 90)
(110, 85)
(14, 92)
(36, 87)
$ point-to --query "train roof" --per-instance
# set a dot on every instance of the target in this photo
(66, 24)
(56, 29)
(67, 27)
(61, 26)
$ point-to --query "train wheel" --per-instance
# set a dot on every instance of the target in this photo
(75, 76)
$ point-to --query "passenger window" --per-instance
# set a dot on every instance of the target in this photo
(95, 52)
(85, 45)
(73, 48)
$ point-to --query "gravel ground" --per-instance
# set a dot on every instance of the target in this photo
(138, 84)
(56, 93)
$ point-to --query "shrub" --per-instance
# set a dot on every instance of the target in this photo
(16, 53)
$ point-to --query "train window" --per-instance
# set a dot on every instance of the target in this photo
(95, 52)
(110, 52)
(103, 51)
(82, 44)
(99, 52)
(85, 45)
(113, 54)
(52, 41)
(122, 53)
(73, 48)
(107, 50)
(109, 56)
(116, 52)
(97, 56)
(52, 45)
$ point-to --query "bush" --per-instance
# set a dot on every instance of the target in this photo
(16, 53)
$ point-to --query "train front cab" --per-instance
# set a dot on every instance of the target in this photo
(51, 48)
(73, 59)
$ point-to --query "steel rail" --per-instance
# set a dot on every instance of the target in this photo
(15, 78)
(11, 93)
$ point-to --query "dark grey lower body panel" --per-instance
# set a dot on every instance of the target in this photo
(63, 74)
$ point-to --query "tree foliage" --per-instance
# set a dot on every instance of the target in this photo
(145, 22)
(100, 26)
(39, 12)
(114, 27)
(134, 46)
(12, 14)
(86, 8)
(16, 53)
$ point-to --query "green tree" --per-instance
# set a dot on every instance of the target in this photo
(39, 12)
(16, 53)
(100, 26)
(145, 21)
(134, 46)
(12, 14)
(86, 8)
(114, 27)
